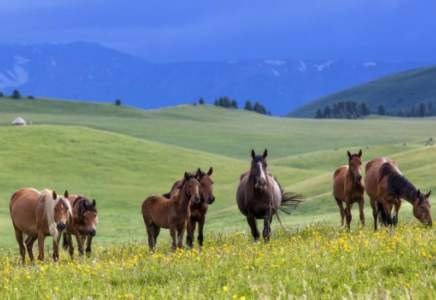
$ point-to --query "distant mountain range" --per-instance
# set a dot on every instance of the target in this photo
(398, 91)
(88, 71)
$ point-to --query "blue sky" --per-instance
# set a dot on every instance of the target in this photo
(182, 30)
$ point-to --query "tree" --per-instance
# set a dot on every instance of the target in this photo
(248, 105)
(234, 104)
(422, 110)
(381, 110)
(259, 108)
(318, 114)
(30, 97)
(1, 95)
(16, 94)
(327, 112)
(201, 101)
(118, 102)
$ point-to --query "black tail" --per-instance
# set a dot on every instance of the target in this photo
(64, 241)
(383, 219)
(167, 195)
(291, 201)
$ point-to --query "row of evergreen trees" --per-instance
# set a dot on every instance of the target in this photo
(227, 103)
(344, 110)
(15, 95)
(416, 111)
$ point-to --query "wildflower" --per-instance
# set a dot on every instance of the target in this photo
(225, 288)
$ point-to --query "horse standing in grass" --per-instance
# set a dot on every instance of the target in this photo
(37, 215)
(386, 186)
(172, 214)
(82, 224)
(349, 188)
(259, 196)
(198, 210)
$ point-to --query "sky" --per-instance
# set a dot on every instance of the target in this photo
(216, 30)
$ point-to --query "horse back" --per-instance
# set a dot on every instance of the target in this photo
(24, 208)
(157, 209)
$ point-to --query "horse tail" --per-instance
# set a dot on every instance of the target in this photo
(291, 201)
(64, 241)
(381, 214)
(167, 195)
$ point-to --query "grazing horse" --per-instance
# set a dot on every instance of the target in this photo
(349, 188)
(37, 215)
(172, 214)
(386, 186)
(259, 196)
(198, 210)
(82, 224)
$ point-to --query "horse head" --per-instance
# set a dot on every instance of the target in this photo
(421, 208)
(89, 215)
(62, 209)
(191, 187)
(206, 185)
(355, 165)
(259, 169)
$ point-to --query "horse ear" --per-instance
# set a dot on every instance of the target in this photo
(210, 171)
(418, 193)
(253, 154)
(186, 176)
(66, 194)
(349, 154)
(428, 194)
(360, 153)
(265, 153)
(94, 203)
(54, 195)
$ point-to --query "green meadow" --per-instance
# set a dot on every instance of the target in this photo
(121, 155)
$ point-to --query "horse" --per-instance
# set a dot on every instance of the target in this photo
(349, 188)
(259, 196)
(37, 215)
(173, 214)
(386, 186)
(198, 210)
(82, 224)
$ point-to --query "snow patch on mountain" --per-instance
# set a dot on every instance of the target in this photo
(302, 66)
(369, 64)
(275, 62)
(14, 78)
(323, 66)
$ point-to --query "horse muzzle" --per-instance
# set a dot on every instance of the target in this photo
(196, 199)
(210, 200)
(358, 178)
(61, 227)
(92, 232)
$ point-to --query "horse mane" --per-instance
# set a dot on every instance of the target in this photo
(397, 183)
(84, 206)
(49, 204)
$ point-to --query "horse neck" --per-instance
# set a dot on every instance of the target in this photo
(352, 178)
(402, 187)
(182, 199)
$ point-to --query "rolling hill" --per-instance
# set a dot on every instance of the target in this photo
(396, 91)
(120, 155)
(91, 72)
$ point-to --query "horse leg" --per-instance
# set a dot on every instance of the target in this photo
(70, 244)
(387, 208)
(252, 222)
(151, 240)
(41, 238)
(88, 245)
(29, 245)
(361, 207)
(190, 235)
(397, 210)
(200, 230)
(19, 237)
(181, 233)
(374, 211)
(79, 242)
(341, 211)
(173, 232)
(267, 227)
(348, 207)
(56, 247)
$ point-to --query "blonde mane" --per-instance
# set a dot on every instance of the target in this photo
(46, 199)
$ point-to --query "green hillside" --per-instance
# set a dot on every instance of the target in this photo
(120, 155)
(402, 90)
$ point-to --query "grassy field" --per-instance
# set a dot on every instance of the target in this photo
(121, 155)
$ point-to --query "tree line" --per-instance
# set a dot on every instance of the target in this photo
(225, 102)
(16, 95)
(416, 111)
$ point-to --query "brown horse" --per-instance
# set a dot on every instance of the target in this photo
(198, 210)
(386, 186)
(349, 188)
(259, 196)
(37, 215)
(82, 224)
(172, 214)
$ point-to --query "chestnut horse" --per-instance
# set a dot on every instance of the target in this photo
(198, 210)
(82, 224)
(259, 196)
(172, 214)
(37, 215)
(386, 186)
(349, 188)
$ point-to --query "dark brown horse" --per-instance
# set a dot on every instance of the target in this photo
(172, 214)
(259, 196)
(37, 215)
(198, 210)
(386, 186)
(349, 188)
(82, 224)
